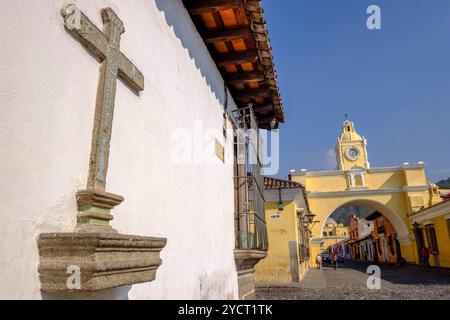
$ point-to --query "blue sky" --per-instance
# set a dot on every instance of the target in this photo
(394, 83)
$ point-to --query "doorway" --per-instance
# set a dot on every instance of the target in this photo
(385, 251)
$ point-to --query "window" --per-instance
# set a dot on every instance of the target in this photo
(303, 240)
(391, 246)
(358, 181)
(380, 227)
(250, 224)
(431, 238)
(324, 234)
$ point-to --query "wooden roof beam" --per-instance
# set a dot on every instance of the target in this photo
(266, 119)
(209, 6)
(263, 107)
(267, 123)
(227, 34)
(249, 94)
(239, 77)
(233, 58)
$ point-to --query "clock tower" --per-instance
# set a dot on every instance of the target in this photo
(351, 149)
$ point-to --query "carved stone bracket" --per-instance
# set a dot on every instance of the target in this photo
(245, 265)
(102, 260)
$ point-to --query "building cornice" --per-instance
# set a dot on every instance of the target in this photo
(367, 192)
(441, 209)
(350, 142)
(370, 170)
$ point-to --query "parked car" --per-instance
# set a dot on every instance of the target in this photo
(326, 258)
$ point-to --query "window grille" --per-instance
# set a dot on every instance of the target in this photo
(251, 230)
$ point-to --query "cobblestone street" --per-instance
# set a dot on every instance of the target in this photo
(349, 283)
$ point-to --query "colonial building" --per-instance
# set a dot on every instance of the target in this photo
(286, 210)
(334, 229)
(353, 237)
(333, 234)
(392, 191)
(365, 241)
(360, 242)
(134, 188)
(385, 241)
(432, 230)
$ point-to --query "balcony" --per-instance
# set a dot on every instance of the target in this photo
(256, 236)
(381, 229)
(250, 225)
(251, 229)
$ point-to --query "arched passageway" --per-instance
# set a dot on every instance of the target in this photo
(384, 209)
(387, 242)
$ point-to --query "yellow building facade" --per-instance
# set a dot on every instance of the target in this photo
(333, 233)
(288, 255)
(395, 192)
(432, 229)
(334, 229)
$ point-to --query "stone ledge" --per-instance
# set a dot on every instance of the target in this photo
(245, 265)
(105, 260)
(247, 259)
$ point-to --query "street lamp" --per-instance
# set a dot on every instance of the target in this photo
(310, 217)
(280, 202)
(309, 221)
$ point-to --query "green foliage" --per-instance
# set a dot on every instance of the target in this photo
(444, 184)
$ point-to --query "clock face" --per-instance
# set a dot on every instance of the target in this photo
(352, 153)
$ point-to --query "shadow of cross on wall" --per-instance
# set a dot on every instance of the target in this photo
(106, 47)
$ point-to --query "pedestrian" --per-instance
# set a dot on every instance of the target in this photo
(402, 262)
(425, 256)
(335, 260)
(319, 261)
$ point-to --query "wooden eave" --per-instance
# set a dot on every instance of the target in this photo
(236, 36)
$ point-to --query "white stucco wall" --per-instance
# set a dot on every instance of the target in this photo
(48, 84)
(364, 228)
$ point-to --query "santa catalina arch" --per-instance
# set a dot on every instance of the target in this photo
(395, 192)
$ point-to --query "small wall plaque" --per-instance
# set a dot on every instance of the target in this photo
(220, 151)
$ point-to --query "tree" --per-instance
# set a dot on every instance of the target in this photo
(444, 184)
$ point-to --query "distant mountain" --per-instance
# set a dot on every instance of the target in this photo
(343, 215)
(444, 184)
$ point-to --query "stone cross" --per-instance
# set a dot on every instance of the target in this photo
(106, 47)
(95, 203)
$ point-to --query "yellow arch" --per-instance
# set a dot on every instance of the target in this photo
(395, 192)
(394, 218)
